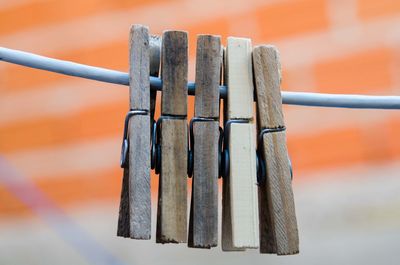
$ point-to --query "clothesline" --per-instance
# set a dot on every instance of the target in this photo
(122, 78)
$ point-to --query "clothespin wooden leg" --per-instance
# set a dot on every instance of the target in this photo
(123, 217)
(135, 209)
(155, 62)
(226, 234)
(203, 224)
(172, 202)
(241, 203)
(278, 227)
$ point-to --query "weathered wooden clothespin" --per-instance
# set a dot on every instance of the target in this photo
(135, 208)
(278, 225)
(240, 227)
(173, 140)
(204, 141)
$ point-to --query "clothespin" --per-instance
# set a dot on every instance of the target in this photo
(278, 225)
(173, 140)
(204, 142)
(240, 205)
(135, 208)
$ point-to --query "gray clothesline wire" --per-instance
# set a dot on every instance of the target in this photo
(117, 77)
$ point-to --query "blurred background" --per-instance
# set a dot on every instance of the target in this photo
(60, 136)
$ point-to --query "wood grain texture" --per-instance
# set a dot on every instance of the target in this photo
(172, 204)
(203, 225)
(139, 60)
(278, 189)
(243, 186)
(278, 231)
(155, 61)
(139, 177)
(267, 76)
(174, 71)
(123, 229)
(267, 236)
(240, 227)
(135, 206)
(239, 78)
(226, 234)
(208, 71)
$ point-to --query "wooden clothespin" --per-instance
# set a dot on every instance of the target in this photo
(204, 140)
(278, 225)
(135, 208)
(172, 127)
(240, 227)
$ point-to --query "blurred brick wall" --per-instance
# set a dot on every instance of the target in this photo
(64, 133)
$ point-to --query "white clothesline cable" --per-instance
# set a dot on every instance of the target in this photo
(117, 77)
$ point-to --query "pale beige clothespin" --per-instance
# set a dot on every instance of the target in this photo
(240, 202)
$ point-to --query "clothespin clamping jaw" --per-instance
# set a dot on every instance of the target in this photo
(278, 225)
